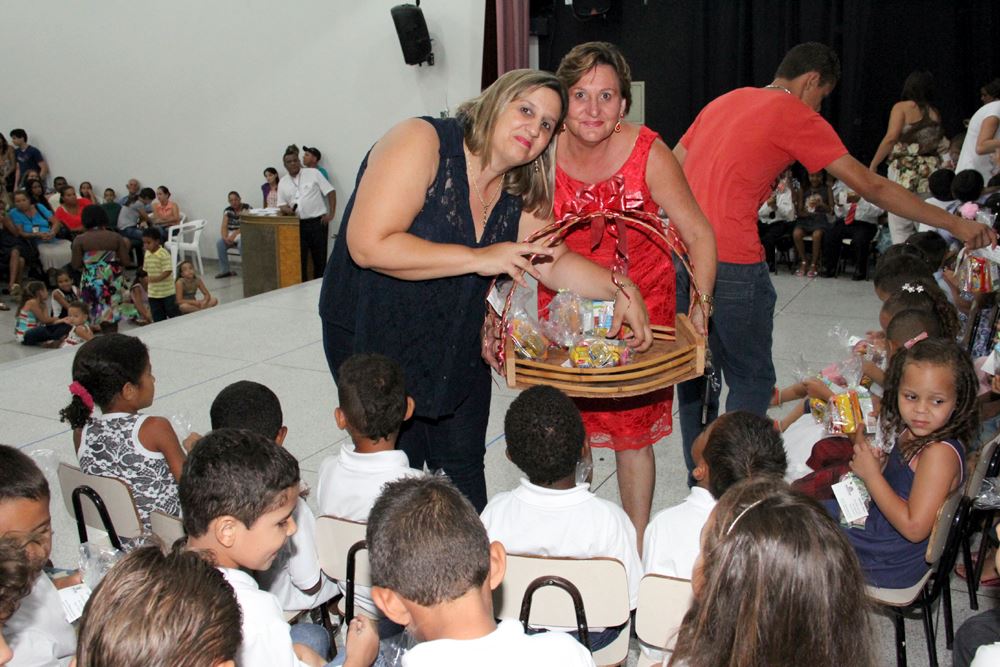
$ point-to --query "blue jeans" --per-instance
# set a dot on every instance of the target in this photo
(223, 250)
(740, 341)
(314, 636)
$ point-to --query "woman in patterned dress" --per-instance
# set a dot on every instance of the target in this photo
(100, 254)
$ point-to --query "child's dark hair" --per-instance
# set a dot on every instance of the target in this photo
(773, 562)
(963, 425)
(544, 434)
(234, 472)
(939, 183)
(924, 294)
(426, 542)
(901, 266)
(152, 233)
(147, 193)
(910, 323)
(102, 367)
(967, 186)
(179, 266)
(932, 245)
(79, 305)
(248, 405)
(63, 272)
(372, 394)
(17, 576)
(160, 609)
(139, 275)
(30, 291)
(22, 478)
(742, 445)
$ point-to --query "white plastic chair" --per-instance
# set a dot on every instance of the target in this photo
(183, 238)
(663, 601)
(166, 527)
(343, 556)
(601, 586)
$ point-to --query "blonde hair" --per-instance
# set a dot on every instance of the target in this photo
(534, 181)
(584, 57)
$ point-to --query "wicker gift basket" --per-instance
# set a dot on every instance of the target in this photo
(677, 353)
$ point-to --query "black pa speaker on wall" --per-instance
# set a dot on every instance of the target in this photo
(413, 37)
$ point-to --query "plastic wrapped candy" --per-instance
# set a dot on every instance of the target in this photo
(844, 413)
(524, 331)
(564, 324)
(988, 497)
(977, 275)
(598, 353)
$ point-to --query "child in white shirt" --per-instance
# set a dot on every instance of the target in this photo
(294, 577)
(373, 406)
(550, 514)
(435, 570)
(37, 633)
(939, 184)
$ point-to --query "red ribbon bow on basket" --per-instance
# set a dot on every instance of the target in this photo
(603, 205)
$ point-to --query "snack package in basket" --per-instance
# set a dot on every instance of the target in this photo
(524, 331)
(590, 352)
(977, 274)
(564, 323)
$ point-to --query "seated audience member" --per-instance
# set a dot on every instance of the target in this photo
(52, 197)
(737, 445)
(906, 263)
(87, 192)
(135, 304)
(270, 188)
(155, 609)
(16, 579)
(132, 218)
(372, 407)
(14, 251)
(111, 207)
(33, 322)
(35, 223)
(294, 577)
(37, 632)
(551, 513)
(922, 294)
(774, 568)
(936, 250)
(166, 213)
(311, 158)
(28, 158)
(156, 262)
(187, 286)
(434, 570)
(229, 233)
(36, 192)
(857, 220)
(131, 192)
(70, 209)
(940, 183)
(238, 494)
(776, 217)
(811, 219)
(967, 188)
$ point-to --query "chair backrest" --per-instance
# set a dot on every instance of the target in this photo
(943, 527)
(601, 582)
(334, 538)
(117, 497)
(177, 233)
(986, 455)
(663, 601)
(166, 527)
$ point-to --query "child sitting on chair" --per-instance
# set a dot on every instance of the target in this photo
(551, 513)
(434, 571)
(294, 577)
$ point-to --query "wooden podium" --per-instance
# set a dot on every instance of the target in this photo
(270, 253)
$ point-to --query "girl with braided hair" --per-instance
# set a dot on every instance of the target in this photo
(922, 294)
(929, 412)
(113, 373)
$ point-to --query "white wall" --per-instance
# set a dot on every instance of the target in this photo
(201, 95)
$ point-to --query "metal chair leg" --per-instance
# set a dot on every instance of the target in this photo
(970, 581)
(897, 618)
(929, 633)
(949, 623)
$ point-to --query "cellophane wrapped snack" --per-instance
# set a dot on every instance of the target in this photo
(976, 274)
(525, 332)
(581, 326)
(590, 352)
(564, 323)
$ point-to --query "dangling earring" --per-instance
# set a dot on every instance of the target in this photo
(563, 128)
(618, 125)
(537, 168)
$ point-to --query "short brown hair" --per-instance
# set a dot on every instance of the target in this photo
(584, 57)
(17, 576)
(156, 609)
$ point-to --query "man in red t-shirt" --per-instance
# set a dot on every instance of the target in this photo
(732, 154)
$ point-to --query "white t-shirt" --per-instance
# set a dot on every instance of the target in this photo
(308, 189)
(673, 537)
(38, 632)
(267, 641)
(969, 158)
(570, 523)
(296, 567)
(865, 210)
(350, 482)
(987, 655)
(504, 647)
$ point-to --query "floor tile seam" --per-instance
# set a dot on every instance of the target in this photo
(209, 379)
(22, 413)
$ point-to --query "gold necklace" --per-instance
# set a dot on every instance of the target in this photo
(479, 195)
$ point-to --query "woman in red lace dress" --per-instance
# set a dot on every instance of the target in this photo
(604, 162)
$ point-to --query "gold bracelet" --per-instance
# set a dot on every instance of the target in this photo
(621, 284)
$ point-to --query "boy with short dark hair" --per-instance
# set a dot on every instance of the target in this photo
(434, 571)
(157, 263)
(238, 492)
(737, 445)
(550, 513)
(37, 632)
(294, 577)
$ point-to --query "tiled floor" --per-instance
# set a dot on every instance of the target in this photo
(275, 339)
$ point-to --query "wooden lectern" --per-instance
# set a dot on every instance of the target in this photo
(270, 253)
